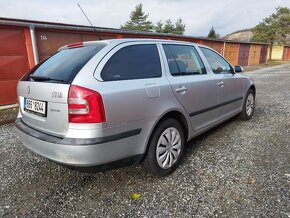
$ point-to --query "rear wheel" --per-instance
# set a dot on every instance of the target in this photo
(249, 106)
(166, 148)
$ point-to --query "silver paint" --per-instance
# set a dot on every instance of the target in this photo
(129, 105)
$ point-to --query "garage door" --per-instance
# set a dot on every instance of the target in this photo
(218, 46)
(264, 52)
(231, 53)
(49, 41)
(254, 56)
(13, 62)
(99, 36)
(286, 54)
(244, 54)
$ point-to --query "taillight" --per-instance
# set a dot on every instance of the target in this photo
(85, 106)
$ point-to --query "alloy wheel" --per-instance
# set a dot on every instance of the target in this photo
(250, 104)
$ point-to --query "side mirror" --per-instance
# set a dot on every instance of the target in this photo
(239, 69)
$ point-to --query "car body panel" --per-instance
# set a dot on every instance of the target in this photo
(55, 96)
(230, 94)
(131, 106)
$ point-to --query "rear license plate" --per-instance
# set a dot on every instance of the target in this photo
(35, 107)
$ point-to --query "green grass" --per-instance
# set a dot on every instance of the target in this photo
(268, 64)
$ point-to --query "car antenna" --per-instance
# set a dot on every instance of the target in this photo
(87, 17)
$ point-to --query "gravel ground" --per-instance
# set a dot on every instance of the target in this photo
(8, 116)
(239, 169)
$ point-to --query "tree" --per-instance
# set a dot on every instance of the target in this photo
(179, 27)
(212, 33)
(168, 27)
(273, 29)
(158, 27)
(138, 20)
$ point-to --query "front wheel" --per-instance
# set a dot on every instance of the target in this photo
(249, 106)
(166, 148)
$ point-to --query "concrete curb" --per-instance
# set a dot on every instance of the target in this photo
(8, 106)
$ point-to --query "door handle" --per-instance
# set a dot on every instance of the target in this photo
(221, 84)
(181, 89)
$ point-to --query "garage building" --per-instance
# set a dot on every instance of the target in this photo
(24, 43)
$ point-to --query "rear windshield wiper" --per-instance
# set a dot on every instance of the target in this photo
(43, 78)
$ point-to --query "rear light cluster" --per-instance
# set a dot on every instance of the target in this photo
(85, 106)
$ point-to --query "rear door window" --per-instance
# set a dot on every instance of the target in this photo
(133, 62)
(63, 66)
(183, 60)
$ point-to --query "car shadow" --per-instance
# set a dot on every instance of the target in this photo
(194, 144)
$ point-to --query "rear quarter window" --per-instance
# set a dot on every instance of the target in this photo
(133, 62)
(65, 65)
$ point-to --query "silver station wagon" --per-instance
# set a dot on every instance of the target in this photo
(121, 101)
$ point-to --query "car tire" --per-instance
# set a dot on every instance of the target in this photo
(249, 106)
(165, 148)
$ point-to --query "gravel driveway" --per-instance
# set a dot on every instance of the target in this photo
(239, 169)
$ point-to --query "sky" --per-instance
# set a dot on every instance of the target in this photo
(226, 16)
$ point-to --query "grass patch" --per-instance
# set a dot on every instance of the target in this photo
(268, 64)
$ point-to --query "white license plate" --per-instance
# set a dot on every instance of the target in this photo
(35, 107)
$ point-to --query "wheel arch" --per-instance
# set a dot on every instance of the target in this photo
(173, 114)
(253, 87)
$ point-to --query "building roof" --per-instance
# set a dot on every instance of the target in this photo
(74, 27)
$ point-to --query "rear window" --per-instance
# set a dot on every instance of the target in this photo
(133, 62)
(63, 66)
(183, 60)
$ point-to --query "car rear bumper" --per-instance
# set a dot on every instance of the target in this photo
(82, 152)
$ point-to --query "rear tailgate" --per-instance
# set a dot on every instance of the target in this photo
(43, 94)
(43, 106)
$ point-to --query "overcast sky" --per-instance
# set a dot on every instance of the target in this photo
(198, 15)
